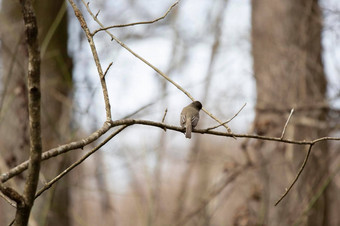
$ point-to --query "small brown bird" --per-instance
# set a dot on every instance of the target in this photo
(190, 116)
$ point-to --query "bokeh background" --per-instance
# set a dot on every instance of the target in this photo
(271, 55)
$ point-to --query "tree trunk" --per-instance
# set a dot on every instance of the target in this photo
(56, 86)
(286, 42)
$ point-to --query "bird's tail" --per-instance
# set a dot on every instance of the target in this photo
(188, 129)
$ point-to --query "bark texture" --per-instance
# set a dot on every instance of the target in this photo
(56, 86)
(286, 44)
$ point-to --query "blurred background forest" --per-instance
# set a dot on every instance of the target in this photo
(273, 55)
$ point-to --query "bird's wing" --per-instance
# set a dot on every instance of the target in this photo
(183, 120)
(194, 121)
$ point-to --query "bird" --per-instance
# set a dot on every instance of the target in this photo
(190, 116)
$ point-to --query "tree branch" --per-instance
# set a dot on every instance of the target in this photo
(13, 195)
(136, 23)
(58, 151)
(33, 87)
(284, 128)
(150, 65)
(53, 181)
(297, 175)
(89, 36)
(226, 122)
(128, 122)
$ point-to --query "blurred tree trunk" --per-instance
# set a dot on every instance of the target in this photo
(286, 42)
(56, 84)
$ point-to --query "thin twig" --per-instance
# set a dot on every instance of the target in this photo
(97, 13)
(297, 175)
(136, 23)
(284, 128)
(107, 69)
(53, 181)
(163, 119)
(236, 113)
(165, 112)
(215, 127)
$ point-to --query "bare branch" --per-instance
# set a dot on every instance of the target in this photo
(8, 200)
(163, 119)
(136, 23)
(10, 194)
(89, 36)
(165, 112)
(25, 202)
(107, 69)
(297, 175)
(215, 127)
(97, 13)
(236, 113)
(53, 181)
(128, 122)
(284, 128)
(152, 66)
(58, 151)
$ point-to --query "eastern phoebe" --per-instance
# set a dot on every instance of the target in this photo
(190, 116)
